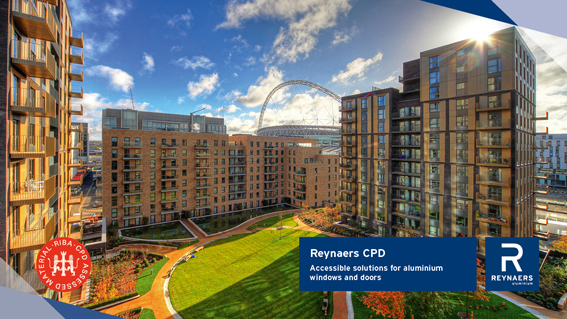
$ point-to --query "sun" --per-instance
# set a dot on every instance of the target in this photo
(479, 32)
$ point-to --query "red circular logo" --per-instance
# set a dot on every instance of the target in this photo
(63, 264)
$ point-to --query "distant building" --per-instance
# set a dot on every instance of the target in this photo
(153, 121)
(84, 136)
(552, 148)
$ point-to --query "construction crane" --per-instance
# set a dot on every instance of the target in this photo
(191, 114)
(132, 94)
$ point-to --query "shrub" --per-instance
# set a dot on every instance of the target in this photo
(549, 305)
(137, 270)
(153, 260)
(109, 301)
(156, 256)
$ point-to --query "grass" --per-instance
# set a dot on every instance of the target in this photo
(362, 312)
(274, 222)
(246, 276)
(183, 246)
(171, 230)
(146, 278)
(147, 314)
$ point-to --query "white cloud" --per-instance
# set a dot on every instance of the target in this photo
(235, 74)
(181, 18)
(357, 91)
(175, 48)
(204, 106)
(257, 48)
(119, 79)
(205, 86)
(148, 62)
(250, 114)
(208, 114)
(304, 18)
(117, 10)
(180, 99)
(356, 69)
(195, 62)
(250, 61)
(94, 46)
(239, 126)
(241, 43)
(79, 11)
(258, 93)
(93, 104)
(389, 79)
(345, 35)
(232, 108)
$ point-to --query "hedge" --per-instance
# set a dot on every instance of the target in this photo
(156, 256)
(129, 311)
(111, 300)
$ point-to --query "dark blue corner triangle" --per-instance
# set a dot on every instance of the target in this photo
(483, 8)
(71, 311)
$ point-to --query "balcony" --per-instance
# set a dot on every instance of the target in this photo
(76, 128)
(543, 147)
(543, 234)
(350, 108)
(132, 179)
(76, 163)
(493, 180)
(233, 154)
(347, 119)
(301, 189)
(493, 220)
(237, 180)
(543, 222)
(348, 155)
(494, 124)
(267, 164)
(492, 199)
(348, 177)
(494, 106)
(35, 21)
(76, 232)
(300, 198)
(546, 207)
(270, 154)
(239, 172)
(31, 59)
(76, 146)
(202, 146)
(25, 239)
(237, 190)
(76, 199)
(132, 168)
(349, 190)
(169, 210)
(78, 42)
(32, 278)
(347, 143)
(301, 173)
(347, 201)
(542, 162)
(542, 192)
(169, 156)
(405, 115)
(77, 95)
(203, 155)
(203, 206)
(32, 102)
(202, 195)
(346, 131)
(32, 146)
(542, 118)
(169, 199)
(172, 177)
(403, 143)
(202, 165)
(169, 189)
(203, 185)
(202, 175)
(135, 191)
(77, 76)
(133, 145)
(169, 166)
(493, 143)
(170, 145)
(77, 58)
(543, 133)
(347, 165)
(128, 156)
(406, 128)
(76, 180)
(492, 161)
(73, 111)
(132, 203)
(545, 176)
(32, 191)
(238, 163)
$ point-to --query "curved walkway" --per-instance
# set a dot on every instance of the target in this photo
(154, 299)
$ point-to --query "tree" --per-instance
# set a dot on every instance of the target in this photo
(429, 304)
(281, 224)
(390, 304)
(480, 293)
(560, 244)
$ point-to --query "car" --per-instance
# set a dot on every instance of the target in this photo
(97, 203)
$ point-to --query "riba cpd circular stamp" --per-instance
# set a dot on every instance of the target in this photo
(63, 264)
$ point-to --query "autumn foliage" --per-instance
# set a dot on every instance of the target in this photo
(390, 304)
(321, 218)
(560, 244)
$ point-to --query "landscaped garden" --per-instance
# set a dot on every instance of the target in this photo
(246, 276)
(137, 313)
(220, 222)
(166, 231)
(452, 302)
(552, 283)
(116, 279)
(286, 220)
(113, 240)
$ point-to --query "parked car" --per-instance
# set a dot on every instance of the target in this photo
(97, 203)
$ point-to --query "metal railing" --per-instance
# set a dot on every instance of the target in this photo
(31, 144)
(23, 97)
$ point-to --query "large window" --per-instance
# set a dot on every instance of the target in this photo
(495, 84)
(463, 121)
(462, 104)
(434, 77)
(364, 103)
(433, 123)
(434, 62)
(434, 93)
(494, 65)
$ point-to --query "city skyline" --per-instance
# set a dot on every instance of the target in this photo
(209, 55)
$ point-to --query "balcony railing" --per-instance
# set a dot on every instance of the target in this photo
(132, 179)
(406, 128)
(32, 191)
(32, 102)
(492, 161)
(203, 146)
(76, 128)
(76, 146)
(128, 156)
(203, 155)
(75, 39)
(132, 203)
(203, 185)
(347, 143)
(169, 199)
(34, 60)
(169, 145)
(231, 154)
(202, 165)
(347, 119)
(202, 195)
(77, 56)
(169, 166)
(132, 145)
(133, 167)
(345, 108)
(169, 177)
(494, 124)
(76, 111)
(170, 155)
(202, 175)
(406, 143)
(76, 94)
(493, 142)
(239, 172)
(493, 180)
(28, 239)
(34, 20)
(24, 146)
(497, 199)
(169, 189)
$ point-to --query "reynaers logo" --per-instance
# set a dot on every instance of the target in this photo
(512, 264)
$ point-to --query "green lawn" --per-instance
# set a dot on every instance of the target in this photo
(146, 279)
(183, 246)
(147, 314)
(363, 312)
(246, 276)
(274, 222)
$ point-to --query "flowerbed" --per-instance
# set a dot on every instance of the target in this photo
(552, 284)
(117, 276)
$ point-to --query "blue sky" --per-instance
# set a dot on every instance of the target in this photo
(187, 55)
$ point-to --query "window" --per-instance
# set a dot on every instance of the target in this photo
(434, 93)
(364, 103)
(463, 121)
(114, 153)
(495, 84)
(494, 101)
(153, 164)
(461, 86)
(494, 48)
(463, 155)
(494, 65)
(364, 127)
(114, 201)
(433, 107)
(462, 137)
(114, 213)
(114, 165)
(434, 77)
(433, 123)
(434, 62)
(381, 114)
(462, 104)
(152, 142)
(152, 174)
(434, 138)
(152, 153)
(115, 141)
(153, 186)
(381, 101)
(380, 127)
(152, 197)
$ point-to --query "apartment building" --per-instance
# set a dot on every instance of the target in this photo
(453, 153)
(151, 177)
(41, 63)
(552, 147)
(84, 137)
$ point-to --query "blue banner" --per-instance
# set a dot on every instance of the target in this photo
(512, 264)
(387, 264)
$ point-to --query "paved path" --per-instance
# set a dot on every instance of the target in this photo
(155, 298)
(528, 305)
